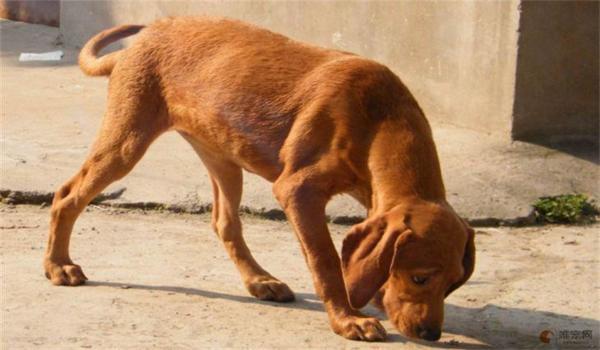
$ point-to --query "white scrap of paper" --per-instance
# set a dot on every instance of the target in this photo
(44, 56)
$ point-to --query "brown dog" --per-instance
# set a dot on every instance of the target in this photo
(315, 122)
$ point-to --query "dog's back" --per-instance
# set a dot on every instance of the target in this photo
(249, 81)
(194, 55)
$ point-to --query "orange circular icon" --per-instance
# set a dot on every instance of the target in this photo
(545, 336)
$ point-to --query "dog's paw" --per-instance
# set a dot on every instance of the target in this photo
(270, 288)
(359, 328)
(64, 274)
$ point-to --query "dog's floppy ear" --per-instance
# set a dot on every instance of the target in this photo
(468, 261)
(367, 254)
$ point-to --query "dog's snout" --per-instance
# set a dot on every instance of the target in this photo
(429, 334)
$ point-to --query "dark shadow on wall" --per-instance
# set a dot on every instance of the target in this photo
(498, 327)
(45, 12)
(556, 94)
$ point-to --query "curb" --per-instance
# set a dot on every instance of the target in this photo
(15, 197)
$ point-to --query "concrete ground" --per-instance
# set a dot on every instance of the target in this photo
(51, 112)
(163, 280)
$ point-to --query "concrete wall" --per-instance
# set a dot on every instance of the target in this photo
(458, 58)
(556, 94)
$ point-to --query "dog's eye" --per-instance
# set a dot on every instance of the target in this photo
(419, 280)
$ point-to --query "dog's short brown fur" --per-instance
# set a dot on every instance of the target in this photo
(313, 121)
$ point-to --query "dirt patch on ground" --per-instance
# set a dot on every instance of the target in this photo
(163, 280)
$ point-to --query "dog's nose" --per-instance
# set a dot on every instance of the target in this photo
(430, 334)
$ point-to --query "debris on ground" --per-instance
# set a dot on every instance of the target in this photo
(44, 56)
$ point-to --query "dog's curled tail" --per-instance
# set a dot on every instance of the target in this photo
(90, 63)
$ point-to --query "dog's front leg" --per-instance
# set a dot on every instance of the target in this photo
(304, 205)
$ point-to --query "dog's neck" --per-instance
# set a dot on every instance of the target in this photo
(403, 163)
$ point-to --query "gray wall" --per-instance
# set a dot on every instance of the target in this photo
(556, 94)
(458, 58)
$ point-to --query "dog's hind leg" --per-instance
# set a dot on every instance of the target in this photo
(227, 186)
(126, 133)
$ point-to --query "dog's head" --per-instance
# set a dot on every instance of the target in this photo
(410, 259)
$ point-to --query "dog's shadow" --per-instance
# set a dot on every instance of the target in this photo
(304, 301)
(491, 325)
(511, 327)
